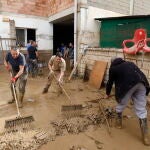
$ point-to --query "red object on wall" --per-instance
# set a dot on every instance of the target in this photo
(146, 48)
(138, 41)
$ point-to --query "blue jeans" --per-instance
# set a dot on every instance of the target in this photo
(33, 67)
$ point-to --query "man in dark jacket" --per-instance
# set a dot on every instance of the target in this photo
(130, 83)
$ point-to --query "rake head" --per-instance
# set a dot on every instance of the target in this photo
(18, 121)
(70, 111)
(71, 107)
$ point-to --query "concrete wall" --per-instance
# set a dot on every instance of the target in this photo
(141, 7)
(93, 54)
(90, 28)
(44, 30)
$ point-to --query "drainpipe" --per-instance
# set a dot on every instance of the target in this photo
(75, 30)
(131, 7)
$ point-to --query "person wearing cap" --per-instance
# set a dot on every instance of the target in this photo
(15, 63)
(130, 83)
(57, 67)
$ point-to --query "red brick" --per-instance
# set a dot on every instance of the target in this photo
(36, 7)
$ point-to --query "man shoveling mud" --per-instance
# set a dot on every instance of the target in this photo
(16, 65)
(130, 83)
(57, 67)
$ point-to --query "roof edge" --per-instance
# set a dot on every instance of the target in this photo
(123, 17)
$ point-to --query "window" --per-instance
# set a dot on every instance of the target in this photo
(20, 34)
(24, 35)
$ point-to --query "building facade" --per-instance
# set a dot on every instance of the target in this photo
(52, 22)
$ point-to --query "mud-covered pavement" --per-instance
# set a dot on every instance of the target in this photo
(46, 110)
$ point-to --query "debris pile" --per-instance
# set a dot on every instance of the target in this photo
(80, 124)
(32, 140)
(72, 125)
(35, 138)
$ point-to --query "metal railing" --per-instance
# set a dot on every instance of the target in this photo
(5, 45)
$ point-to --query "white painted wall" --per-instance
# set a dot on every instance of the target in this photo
(89, 27)
(94, 12)
(4, 28)
(44, 30)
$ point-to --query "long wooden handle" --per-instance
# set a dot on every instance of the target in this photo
(75, 67)
(14, 91)
(63, 89)
(104, 115)
(15, 95)
(65, 92)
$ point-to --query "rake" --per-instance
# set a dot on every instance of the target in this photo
(72, 110)
(19, 121)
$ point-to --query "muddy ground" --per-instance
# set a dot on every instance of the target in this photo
(47, 108)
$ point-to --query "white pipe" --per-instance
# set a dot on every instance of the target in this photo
(131, 7)
(75, 30)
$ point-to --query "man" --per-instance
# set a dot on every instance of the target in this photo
(32, 58)
(62, 48)
(71, 55)
(29, 44)
(57, 67)
(16, 64)
(130, 83)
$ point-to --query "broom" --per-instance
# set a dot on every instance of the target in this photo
(72, 110)
(19, 120)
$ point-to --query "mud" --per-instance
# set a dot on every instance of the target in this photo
(91, 135)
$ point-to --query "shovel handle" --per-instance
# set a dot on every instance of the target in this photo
(75, 67)
(62, 89)
(14, 91)
(101, 107)
(15, 96)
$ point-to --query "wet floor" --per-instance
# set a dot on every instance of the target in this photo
(47, 107)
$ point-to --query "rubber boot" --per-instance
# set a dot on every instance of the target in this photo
(20, 100)
(45, 90)
(144, 131)
(118, 121)
(11, 101)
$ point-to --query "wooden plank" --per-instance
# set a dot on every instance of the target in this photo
(97, 73)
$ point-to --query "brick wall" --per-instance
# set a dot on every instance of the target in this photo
(56, 6)
(35, 7)
(28, 7)
(93, 54)
(50, 7)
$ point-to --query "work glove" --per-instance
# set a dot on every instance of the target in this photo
(13, 79)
